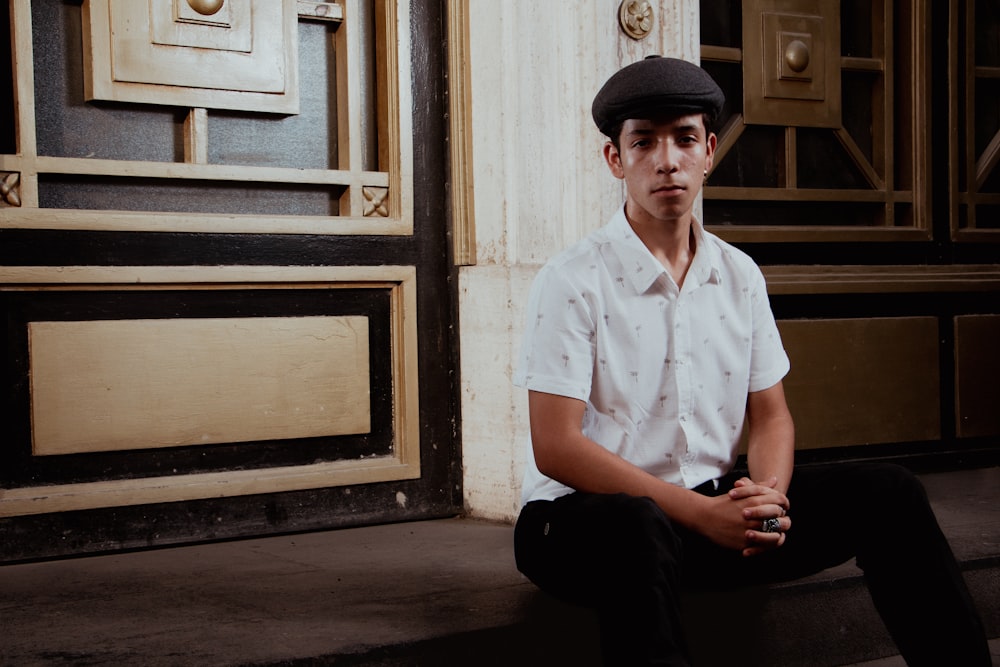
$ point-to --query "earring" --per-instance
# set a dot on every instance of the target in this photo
(705, 178)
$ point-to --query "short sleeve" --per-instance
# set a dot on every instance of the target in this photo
(557, 347)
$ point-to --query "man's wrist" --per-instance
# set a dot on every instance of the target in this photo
(696, 511)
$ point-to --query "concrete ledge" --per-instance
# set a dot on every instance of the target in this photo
(427, 593)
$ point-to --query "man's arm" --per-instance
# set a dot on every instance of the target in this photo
(770, 459)
(565, 454)
(771, 442)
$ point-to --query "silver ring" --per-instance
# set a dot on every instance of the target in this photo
(771, 526)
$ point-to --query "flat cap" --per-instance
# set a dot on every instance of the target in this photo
(654, 86)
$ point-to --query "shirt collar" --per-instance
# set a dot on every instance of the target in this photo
(643, 269)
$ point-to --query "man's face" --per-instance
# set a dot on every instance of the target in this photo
(663, 163)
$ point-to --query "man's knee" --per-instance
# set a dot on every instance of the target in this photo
(594, 546)
(893, 487)
(644, 530)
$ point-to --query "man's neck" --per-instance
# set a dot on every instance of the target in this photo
(672, 243)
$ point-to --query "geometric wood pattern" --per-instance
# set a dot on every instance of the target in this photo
(974, 100)
(360, 69)
(862, 171)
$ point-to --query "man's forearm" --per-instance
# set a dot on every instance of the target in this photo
(583, 465)
(771, 443)
(772, 457)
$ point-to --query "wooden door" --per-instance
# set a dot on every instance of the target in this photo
(223, 271)
(878, 243)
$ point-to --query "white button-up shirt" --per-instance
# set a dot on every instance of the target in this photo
(664, 372)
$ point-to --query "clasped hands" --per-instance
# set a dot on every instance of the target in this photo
(736, 519)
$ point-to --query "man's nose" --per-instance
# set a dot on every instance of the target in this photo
(666, 157)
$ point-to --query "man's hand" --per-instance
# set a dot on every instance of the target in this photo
(735, 520)
(765, 502)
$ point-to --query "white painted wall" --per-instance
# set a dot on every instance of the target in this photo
(540, 184)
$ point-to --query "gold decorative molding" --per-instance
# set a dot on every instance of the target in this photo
(375, 202)
(864, 279)
(240, 55)
(402, 463)
(10, 189)
(635, 18)
(460, 125)
(791, 63)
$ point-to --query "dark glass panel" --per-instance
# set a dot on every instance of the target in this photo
(856, 28)
(857, 93)
(825, 163)
(755, 160)
(176, 196)
(722, 23)
(987, 97)
(729, 76)
(987, 33)
(987, 217)
(8, 140)
(67, 125)
(307, 140)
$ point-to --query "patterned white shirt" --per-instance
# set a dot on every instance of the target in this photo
(664, 372)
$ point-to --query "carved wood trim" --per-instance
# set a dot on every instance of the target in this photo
(460, 124)
(848, 279)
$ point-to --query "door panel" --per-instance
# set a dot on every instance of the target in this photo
(203, 339)
(880, 254)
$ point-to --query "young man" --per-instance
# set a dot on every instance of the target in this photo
(647, 345)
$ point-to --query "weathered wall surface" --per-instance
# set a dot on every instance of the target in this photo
(540, 184)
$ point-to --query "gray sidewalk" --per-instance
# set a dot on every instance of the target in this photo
(404, 594)
(897, 661)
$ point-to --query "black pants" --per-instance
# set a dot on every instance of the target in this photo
(622, 555)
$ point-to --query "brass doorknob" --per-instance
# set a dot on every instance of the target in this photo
(797, 55)
(206, 7)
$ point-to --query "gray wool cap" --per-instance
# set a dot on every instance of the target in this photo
(654, 86)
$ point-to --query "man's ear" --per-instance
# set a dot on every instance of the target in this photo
(613, 160)
(710, 145)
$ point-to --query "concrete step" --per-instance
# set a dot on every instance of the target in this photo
(428, 593)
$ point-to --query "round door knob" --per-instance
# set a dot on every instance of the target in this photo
(797, 55)
(206, 7)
